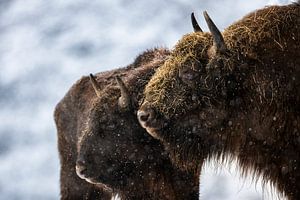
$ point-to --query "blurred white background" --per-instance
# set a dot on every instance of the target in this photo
(46, 45)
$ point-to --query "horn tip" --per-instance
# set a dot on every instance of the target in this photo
(193, 17)
(91, 75)
(195, 23)
(205, 14)
(217, 35)
(95, 85)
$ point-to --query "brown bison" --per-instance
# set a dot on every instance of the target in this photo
(234, 93)
(100, 135)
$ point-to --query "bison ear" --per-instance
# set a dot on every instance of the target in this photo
(195, 24)
(124, 101)
(219, 43)
(95, 85)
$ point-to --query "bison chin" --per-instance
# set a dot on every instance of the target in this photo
(81, 172)
(111, 176)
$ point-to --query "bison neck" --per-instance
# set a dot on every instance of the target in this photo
(164, 182)
(263, 137)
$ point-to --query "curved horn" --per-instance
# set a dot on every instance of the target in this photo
(195, 24)
(95, 85)
(124, 100)
(217, 36)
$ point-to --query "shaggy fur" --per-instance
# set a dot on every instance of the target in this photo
(120, 157)
(244, 102)
(190, 52)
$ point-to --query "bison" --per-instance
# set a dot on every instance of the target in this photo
(234, 93)
(100, 135)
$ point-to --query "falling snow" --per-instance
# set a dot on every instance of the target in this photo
(47, 45)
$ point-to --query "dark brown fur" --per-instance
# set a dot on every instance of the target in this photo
(119, 156)
(244, 102)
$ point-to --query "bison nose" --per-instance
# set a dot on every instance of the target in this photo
(143, 116)
(146, 117)
(80, 167)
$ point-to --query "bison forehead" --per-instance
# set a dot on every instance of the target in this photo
(165, 91)
(194, 44)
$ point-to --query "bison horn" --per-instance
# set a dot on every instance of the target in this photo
(195, 24)
(219, 43)
(95, 85)
(124, 100)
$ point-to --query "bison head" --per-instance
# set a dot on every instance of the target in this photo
(190, 79)
(114, 149)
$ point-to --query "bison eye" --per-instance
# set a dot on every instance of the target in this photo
(188, 75)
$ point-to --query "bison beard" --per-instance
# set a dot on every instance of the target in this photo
(236, 94)
(113, 153)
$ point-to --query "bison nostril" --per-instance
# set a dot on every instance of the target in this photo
(80, 167)
(143, 116)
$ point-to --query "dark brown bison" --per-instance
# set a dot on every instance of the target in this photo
(235, 93)
(113, 153)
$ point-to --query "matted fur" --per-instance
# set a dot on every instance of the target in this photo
(190, 51)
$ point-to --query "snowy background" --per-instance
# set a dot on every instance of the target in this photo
(46, 45)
